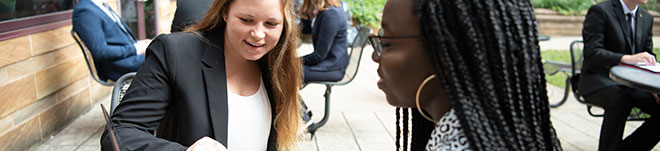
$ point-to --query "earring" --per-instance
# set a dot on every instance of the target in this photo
(419, 90)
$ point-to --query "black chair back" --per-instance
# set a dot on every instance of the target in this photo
(577, 58)
(89, 60)
(119, 89)
(355, 55)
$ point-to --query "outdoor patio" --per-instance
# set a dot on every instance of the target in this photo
(361, 120)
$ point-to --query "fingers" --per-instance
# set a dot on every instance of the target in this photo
(650, 59)
(657, 99)
(643, 58)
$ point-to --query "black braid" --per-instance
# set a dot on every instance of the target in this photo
(421, 131)
(487, 58)
(398, 129)
(405, 121)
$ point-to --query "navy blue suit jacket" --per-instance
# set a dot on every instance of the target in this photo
(112, 48)
(330, 44)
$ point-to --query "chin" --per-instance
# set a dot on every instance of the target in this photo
(398, 103)
(253, 58)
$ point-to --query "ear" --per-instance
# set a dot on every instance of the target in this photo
(224, 15)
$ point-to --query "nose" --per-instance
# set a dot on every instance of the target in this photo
(258, 33)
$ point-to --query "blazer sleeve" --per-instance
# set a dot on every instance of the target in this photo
(648, 44)
(89, 26)
(329, 25)
(145, 104)
(594, 39)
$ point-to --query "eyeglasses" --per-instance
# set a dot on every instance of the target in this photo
(376, 41)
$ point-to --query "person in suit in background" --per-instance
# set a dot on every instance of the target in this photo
(329, 59)
(619, 31)
(231, 80)
(113, 47)
(188, 13)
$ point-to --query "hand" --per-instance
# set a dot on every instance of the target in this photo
(141, 46)
(657, 99)
(642, 57)
(206, 144)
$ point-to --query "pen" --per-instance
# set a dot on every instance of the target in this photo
(109, 127)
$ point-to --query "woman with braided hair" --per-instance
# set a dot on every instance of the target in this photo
(471, 72)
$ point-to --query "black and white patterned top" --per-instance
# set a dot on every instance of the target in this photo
(448, 135)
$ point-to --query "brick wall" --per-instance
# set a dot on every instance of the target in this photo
(45, 83)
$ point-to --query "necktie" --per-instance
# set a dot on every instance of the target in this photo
(118, 21)
(632, 32)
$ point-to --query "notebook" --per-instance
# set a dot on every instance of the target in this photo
(649, 68)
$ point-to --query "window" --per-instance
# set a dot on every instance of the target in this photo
(22, 17)
(13, 9)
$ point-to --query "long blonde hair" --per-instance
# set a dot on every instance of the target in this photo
(308, 7)
(283, 64)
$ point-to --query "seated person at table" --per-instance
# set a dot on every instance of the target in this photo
(113, 47)
(329, 60)
(607, 37)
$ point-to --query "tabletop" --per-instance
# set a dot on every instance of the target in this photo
(636, 78)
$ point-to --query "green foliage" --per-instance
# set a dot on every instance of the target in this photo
(367, 12)
(564, 56)
(558, 79)
(566, 7)
(652, 5)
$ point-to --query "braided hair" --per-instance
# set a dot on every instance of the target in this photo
(486, 55)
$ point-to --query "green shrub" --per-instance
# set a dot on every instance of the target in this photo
(564, 56)
(652, 5)
(566, 7)
(367, 12)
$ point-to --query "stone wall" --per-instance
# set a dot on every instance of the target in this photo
(554, 24)
(45, 84)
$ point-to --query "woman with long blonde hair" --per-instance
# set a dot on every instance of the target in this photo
(228, 82)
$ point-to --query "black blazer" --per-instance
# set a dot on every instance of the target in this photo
(330, 44)
(606, 40)
(182, 88)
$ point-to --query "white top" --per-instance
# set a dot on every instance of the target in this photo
(448, 134)
(249, 120)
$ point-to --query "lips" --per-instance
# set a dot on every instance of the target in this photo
(380, 81)
(254, 44)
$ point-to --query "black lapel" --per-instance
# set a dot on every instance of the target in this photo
(639, 20)
(215, 80)
(618, 9)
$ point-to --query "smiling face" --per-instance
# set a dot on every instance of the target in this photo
(403, 64)
(253, 27)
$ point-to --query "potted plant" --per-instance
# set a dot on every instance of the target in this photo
(367, 12)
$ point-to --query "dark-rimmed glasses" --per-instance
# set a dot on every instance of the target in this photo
(376, 41)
